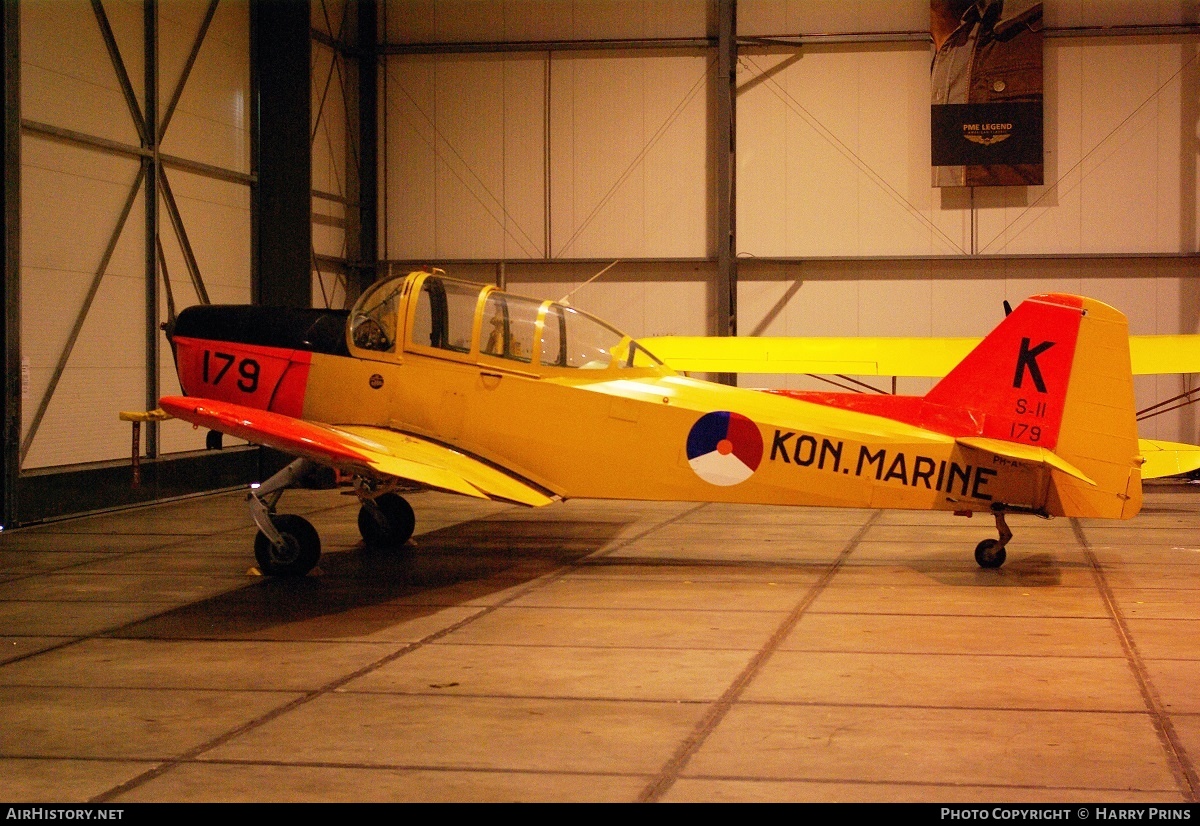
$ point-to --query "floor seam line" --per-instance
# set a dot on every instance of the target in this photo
(717, 712)
(1184, 772)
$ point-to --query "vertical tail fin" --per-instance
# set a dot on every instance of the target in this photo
(1055, 374)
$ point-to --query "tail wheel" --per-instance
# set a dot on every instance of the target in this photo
(299, 554)
(990, 554)
(389, 524)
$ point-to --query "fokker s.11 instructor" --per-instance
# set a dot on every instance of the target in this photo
(464, 388)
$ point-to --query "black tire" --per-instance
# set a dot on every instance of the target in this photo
(299, 554)
(396, 527)
(989, 554)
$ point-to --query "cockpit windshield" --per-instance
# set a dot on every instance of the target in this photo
(573, 339)
(448, 315)
(373, 324)
(445, 314)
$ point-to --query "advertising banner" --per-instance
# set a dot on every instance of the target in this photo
(986, 78)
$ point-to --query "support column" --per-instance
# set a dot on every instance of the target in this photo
(367, 253)
(10, 341)
(726, 192)
(281, 52)
(152, 168)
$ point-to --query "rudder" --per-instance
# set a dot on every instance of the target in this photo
(1056, 374)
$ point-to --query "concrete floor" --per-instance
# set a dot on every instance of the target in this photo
(603, 651)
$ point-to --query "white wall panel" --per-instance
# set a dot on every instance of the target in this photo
(465, 157)
(833, 155)
(216, 215)
(525, 20)
(409, 152)
(461, 21)
(597, 130)
(679, 218)
(71, 201)
(1120, 177)
(469, 174)
(628, 171)
(328, 289)
(81, 424)
(640, 299)
(823, 192)
(762, 161)
(329, 228)
(1124, 143)
(72, 196)
(836, 141)
(211, 122)
(330, 17)
(125, 18)
(793, 17)
(639, 18)
(67, 78)
(524, 158)
(330, 150)
(408, 21)
(1061, 13)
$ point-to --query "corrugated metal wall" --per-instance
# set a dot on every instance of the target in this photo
(89, 260)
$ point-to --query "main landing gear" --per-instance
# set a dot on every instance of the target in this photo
(288, 545)
(385, 520)
(990, 552)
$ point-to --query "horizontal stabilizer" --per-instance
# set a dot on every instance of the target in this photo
(1025, 453)
(370, 449)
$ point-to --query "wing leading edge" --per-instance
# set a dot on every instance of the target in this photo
(875, 356)
(374, 450)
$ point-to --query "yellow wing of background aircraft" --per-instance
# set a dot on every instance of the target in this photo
(917, 357)
(463, 388)
(879, 356)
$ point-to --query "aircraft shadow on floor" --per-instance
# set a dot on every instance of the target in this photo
(363, 592)
(952, 568)
(1034, 570)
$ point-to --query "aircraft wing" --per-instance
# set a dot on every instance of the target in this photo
(875, 356)
(811, 354)
(1167, 458)
(375, 450)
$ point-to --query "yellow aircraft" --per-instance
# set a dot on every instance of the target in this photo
(464, 388)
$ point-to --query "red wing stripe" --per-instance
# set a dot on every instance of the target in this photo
(263, 427)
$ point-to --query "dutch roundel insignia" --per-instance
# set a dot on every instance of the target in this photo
(724, 448)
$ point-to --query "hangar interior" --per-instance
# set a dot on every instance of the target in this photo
(758, 167)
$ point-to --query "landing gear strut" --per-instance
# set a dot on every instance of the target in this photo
(286, 545)
(990, 552)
